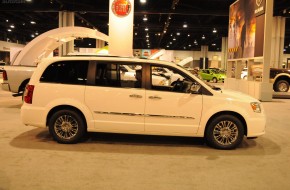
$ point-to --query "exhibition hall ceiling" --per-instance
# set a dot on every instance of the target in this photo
(188, 23)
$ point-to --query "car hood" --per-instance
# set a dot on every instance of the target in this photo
(235, 95)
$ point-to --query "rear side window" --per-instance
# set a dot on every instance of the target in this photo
(119, 75)
(66, 72)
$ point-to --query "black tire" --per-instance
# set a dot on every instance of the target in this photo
(66, 126)
(224, 132)
(281, 86)
(214, 80)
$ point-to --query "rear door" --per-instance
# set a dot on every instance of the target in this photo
(117, 103)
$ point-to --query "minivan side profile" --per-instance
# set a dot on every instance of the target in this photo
(73, 95)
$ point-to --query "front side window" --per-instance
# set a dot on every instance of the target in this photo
(66, 72)
(169, 79)
(119, 75)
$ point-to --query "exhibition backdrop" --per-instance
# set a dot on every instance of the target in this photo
(246, 29)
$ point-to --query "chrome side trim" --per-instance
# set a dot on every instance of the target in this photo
(143, 115)
(118, 113)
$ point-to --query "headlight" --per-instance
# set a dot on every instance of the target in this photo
(256, 107)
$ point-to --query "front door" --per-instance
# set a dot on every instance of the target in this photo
(171, 108)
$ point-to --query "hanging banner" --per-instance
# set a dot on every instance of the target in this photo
(121, 8)
(121, 15)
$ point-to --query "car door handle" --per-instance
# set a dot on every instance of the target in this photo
(135, 96)
(155, 97)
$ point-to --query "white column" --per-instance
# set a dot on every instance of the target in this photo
(121, 29)
(66, 19)
(204, 53)
(224, 57)
(278, 37)
(266, 88)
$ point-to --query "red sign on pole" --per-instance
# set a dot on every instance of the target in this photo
(121, 8)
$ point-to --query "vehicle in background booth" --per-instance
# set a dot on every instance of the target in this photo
(213, 75)
(279, 77)
(89, 94)
(2, 64)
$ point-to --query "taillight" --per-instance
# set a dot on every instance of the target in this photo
(28, 94)
(4, 74)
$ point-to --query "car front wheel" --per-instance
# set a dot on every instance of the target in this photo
(66, 126)
(214, 80)
(282, 86)
(224, 132)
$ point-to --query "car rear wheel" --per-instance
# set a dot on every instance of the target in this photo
(282, 86)
(224, 132)
(66, 126)
(214, 80)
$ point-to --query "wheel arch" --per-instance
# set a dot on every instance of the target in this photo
(282, 77)
(69, 107)
(23, 84)
(239, 116)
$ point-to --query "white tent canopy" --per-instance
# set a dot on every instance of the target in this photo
(44, 44)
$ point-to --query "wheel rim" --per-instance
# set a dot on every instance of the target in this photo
(225, 132)
(66, 127)
(282, 87)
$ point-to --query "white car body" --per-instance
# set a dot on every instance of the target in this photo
(142, 110)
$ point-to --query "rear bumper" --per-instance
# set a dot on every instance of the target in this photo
(28, 114)
(5, 86)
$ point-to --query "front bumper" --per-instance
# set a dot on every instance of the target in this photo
(256, 126)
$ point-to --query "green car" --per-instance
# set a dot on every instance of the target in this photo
(213, 75)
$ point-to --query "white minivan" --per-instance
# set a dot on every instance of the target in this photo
(73, 95)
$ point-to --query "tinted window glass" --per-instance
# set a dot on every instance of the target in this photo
(66, 72)
(119, 75)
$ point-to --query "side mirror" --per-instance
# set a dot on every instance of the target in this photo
(195, 88)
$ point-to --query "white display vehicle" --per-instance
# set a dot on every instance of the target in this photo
(73, 95)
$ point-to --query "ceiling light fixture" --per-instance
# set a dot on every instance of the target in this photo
(147, 36)
(7, 20)
(9, 30)
(146, 29)
(32, 35)
(12, 26)
(213, 44)
(203, 37)
(32, 22)
(184, 25)
(188, 35)
(214, 30)
(178, 33)
(142, 1)
(145, 18)
(174, 39)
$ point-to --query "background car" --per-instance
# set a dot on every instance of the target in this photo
(244, 73)
(212, 75)
(2, 64)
